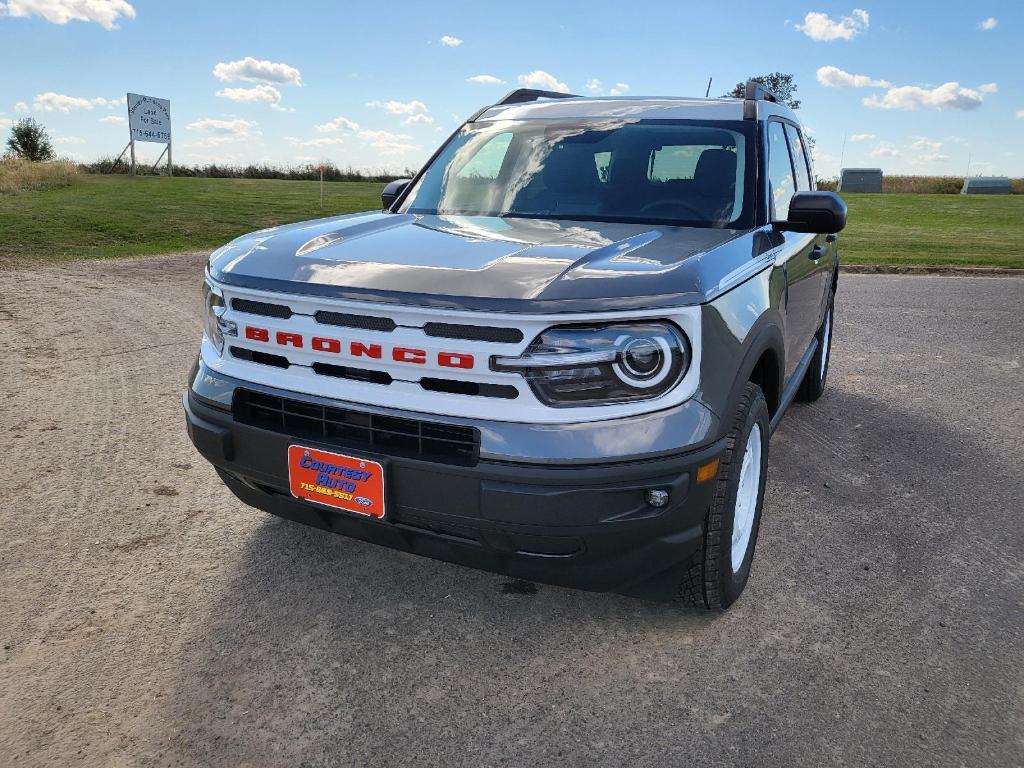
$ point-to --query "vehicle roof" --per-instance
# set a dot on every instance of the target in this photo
(646, 107)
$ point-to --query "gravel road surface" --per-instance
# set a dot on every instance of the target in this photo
(148, 618)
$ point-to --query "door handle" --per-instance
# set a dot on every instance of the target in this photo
(817, 252)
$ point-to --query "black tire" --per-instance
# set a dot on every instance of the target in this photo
(710, 581)
(813, 385)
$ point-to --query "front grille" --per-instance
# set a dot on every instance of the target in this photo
(261, 308)
(473, 388)
(355, 374)
(263, 358)
(473, 332)
(347, 428)
(365, 322)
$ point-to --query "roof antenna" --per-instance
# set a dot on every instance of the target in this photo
(708, 91)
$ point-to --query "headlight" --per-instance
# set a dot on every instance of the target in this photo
(213, 323)
(571, 365)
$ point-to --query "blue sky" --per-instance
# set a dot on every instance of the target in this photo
(912, 87)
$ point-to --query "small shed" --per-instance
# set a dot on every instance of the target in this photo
(861, 180)
(986, 185)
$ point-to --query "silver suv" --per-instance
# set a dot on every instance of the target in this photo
(558, 353)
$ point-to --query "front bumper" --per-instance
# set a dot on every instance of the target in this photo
(583, 525)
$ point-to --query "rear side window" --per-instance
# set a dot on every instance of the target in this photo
(803, 173)
(780, 171)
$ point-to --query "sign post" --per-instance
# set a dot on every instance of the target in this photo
(149, 119)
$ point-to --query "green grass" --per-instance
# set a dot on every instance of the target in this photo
(105, 216)
(959, 230)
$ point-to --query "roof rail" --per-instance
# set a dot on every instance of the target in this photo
(754, 92)
(523, 95)
(758, 91)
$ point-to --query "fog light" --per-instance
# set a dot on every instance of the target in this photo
(656, 497)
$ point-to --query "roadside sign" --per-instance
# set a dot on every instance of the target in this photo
(149, 119)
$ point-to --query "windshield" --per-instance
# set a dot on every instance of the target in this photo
(685, 172)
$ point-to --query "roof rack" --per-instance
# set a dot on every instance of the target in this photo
(522, 96)
(754, 92)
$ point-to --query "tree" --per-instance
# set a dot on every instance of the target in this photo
(30, 141)
(779, 82)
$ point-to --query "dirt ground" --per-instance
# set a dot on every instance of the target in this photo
(148, 618)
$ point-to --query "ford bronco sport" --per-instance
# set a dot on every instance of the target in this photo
(558, 352)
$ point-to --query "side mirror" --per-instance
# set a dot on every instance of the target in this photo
(391, 192)
(823, 213)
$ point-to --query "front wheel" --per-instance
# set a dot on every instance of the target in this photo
(718, 571)
(813, 385)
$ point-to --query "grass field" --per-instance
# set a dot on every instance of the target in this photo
(961, 230)
(105, 216)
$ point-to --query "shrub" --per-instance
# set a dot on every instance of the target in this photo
(304, 172)
(29, 141)
(17, 175)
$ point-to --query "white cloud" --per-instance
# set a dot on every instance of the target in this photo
(6, 122)
(253, 70)
(420, 119)
(451, 42)
(945, 96)
(388, 143)
(885, 149)
(58, 102)
(236, 127)
(69, 140)
(103, 12)
(990, 23)
(821, 28)
(594, 85)
(932, 157)
(337, 124)
(833, 77)
(21, 107)
(1020, 114)
(326, 141)
(116, 119)
(208, 142)
(485, 80)
(620, 89)
(923, 143)
(543, 80)
(413, 107)
(862, 137)
(258, 94)
(988, 88)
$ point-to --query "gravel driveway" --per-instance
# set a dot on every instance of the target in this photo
(148, 618)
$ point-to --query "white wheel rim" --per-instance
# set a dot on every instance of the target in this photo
(826, 340)
(746, 498)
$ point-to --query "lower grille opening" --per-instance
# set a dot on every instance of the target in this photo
(263, 358)
(355, 374)
(348, 428)
(456, 387)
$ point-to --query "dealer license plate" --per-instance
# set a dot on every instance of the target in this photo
(336, 480)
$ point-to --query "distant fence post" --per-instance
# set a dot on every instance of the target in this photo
(321, 186)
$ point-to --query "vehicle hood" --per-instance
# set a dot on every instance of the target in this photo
(469, 262)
